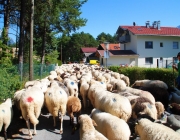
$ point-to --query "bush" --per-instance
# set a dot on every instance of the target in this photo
(139, 73)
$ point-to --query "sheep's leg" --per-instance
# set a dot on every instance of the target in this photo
(61, 124)
(5, 134)
(28, 126)
(5, 130)
(34, 130)
(71, 118)
(54, 118)
(84, 101)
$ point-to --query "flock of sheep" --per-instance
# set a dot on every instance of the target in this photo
(149, 109)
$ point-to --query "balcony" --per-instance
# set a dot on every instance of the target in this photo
(124, 39)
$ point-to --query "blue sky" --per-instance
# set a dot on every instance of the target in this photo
(107, 15)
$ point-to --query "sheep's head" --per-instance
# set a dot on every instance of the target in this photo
(160, 109)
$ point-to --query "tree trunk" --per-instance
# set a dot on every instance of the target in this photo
(31, 43)
(6, 20)
(43, 48)
(21, 40)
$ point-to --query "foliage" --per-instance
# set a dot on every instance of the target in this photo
(51, 58)
(139, 73)
(74, 44)
(9, 81)
(103, 37)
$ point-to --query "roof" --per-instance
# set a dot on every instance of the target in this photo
(143, 30)
(88, 49)
(118, 52)
(112, 46)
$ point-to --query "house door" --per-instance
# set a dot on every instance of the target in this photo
(101, 61)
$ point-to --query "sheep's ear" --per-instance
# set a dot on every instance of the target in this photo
(94, 123)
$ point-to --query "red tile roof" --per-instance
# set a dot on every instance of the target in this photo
(117, 52)
(143, 30)
(112, 46)
(88, 50)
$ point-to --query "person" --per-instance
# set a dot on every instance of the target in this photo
(177, 68)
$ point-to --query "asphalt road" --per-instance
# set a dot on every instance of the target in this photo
(45, 130)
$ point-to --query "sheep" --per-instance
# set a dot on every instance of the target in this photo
(31, 102)
(60, 84)
(128, 95)
(87, 130)
(114, 104)
(139, 92)
(72, 86)
(159, 93)
(110, 126)
(160, 109)
(55, 101)
(148, 130)
(143, 105)
(17, 97)
(150, 83)
(84, 87)
(6, 115)
(175, 108)
(73, 106)
(125, 79)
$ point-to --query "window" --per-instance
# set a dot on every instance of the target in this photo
(149, 60)
(148, 44)
(161, 44)
(175, 45)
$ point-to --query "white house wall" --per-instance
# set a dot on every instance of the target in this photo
(120, 60)
(137, 45)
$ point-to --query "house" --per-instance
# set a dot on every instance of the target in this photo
(154, 45)
(88, 53)
(115, 56)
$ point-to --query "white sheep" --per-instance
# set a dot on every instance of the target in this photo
(6, 115)
(114, 104)
(84, 87)
(31, 102)
(87, 130)
(55, 101)
(140, 93)
(148, 130)
(110, 126)
(72, 87)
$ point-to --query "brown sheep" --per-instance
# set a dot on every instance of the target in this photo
(175, 108)
(73, 106)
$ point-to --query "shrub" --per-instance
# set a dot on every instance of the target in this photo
(139, 73)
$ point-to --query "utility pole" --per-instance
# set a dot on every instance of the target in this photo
(31, 42)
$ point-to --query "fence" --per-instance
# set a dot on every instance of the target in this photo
(166, 63)
(11, 80)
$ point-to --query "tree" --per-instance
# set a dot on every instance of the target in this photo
(76, 42)
(103, 37)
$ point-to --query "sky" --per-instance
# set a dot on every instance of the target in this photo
(107, 15)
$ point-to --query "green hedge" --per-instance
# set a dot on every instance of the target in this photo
(138, 73)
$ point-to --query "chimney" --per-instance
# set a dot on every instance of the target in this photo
(158, 25)
(147, 24)
(134, 24)
(155, 24)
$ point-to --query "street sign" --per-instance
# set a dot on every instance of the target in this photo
(106, 54)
